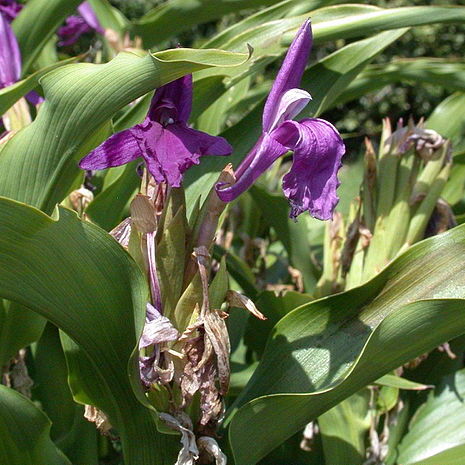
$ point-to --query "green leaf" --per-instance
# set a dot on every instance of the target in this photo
(274, 308)
(98, 299)
(163, 22)
(401, 383)
(294, 235)
(343, 430)
(328, 78)
(37, 23)
(437, 71)
(11, 94)
(448, 118)
(72, 433)
(346, 21)
(24, 438)
(109, 16)
(19, 327)
(107, 208)
(79, 99)
(437, 433)
(327, 350)
(286, 8)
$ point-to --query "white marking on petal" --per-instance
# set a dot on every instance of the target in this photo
(291, 103)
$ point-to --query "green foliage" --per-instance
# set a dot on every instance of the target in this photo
(311, 360)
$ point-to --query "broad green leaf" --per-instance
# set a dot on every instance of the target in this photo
(343, 430)
(72, 433)
(213, 119)
(274, 308)
(286, 8)
(24, 438)
(107, 208)
(79, 99)
(11, 94)
(98, 299)
(19, 327)
(327, 350)
(206, 91)
(437, 431)
(36, 24)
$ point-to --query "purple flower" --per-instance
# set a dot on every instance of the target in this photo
(75, 25)
(10, 9)
(10, 57)
(168, 146)
(312, 180)
(10, 60)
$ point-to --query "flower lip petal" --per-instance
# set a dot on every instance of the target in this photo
(291, 72)
(311, 183)
(290, 104)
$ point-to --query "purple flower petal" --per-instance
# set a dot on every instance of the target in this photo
(262, 156)
(86, 11)
(173, 100)
(291, 103)
(168, 146)
(312, 180)
(170, 150)
(34, 98)
(290, 74)
(119, 149)
(73, 29)
(75, 26)
(10, 57)
(10, 9)
(157, 329)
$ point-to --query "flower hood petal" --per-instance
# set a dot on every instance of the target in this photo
(291, 103)
(290, 74)
(177, 95)
(311, 183)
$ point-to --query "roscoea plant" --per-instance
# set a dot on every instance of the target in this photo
(124, 312)
(185, 348)
(184, 345)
